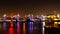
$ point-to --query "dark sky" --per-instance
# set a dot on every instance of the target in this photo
(29, 7)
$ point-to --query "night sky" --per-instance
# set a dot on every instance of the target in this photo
(24, 7)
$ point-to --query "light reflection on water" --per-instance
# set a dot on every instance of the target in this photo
(30, 27)
(24, 28)
(11, 30)
(20, 28)
(4, 26)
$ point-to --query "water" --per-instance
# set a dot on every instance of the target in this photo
(27, 27)
(20, 28)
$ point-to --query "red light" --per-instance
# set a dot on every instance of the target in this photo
(11, 30)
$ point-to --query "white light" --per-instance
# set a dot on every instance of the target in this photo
(44, 16)
(43, 27)
(32, 15)
(18, 15)
(43, 19)
(43, 23)
(32, 19)
(14, 16)
(4, 15)
(58, 15)
(43, 30)
(37, 16)
(41, 15)
(55, 19)
(25, 16)
(29, 15)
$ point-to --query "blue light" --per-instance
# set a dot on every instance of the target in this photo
(4, 26)
(4, 18)
(18, 28)
(17, 23)
(30, 27)
(17, 18)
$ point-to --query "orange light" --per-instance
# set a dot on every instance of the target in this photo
(24, 30)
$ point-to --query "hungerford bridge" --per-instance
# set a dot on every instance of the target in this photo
(29, 17)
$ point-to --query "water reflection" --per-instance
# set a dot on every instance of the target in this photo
(30, 24)
(22, 27)
(11, 30)
(18, 28)
(4, 26)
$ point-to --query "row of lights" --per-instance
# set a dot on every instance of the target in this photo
(30, 16)
(37, 16)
